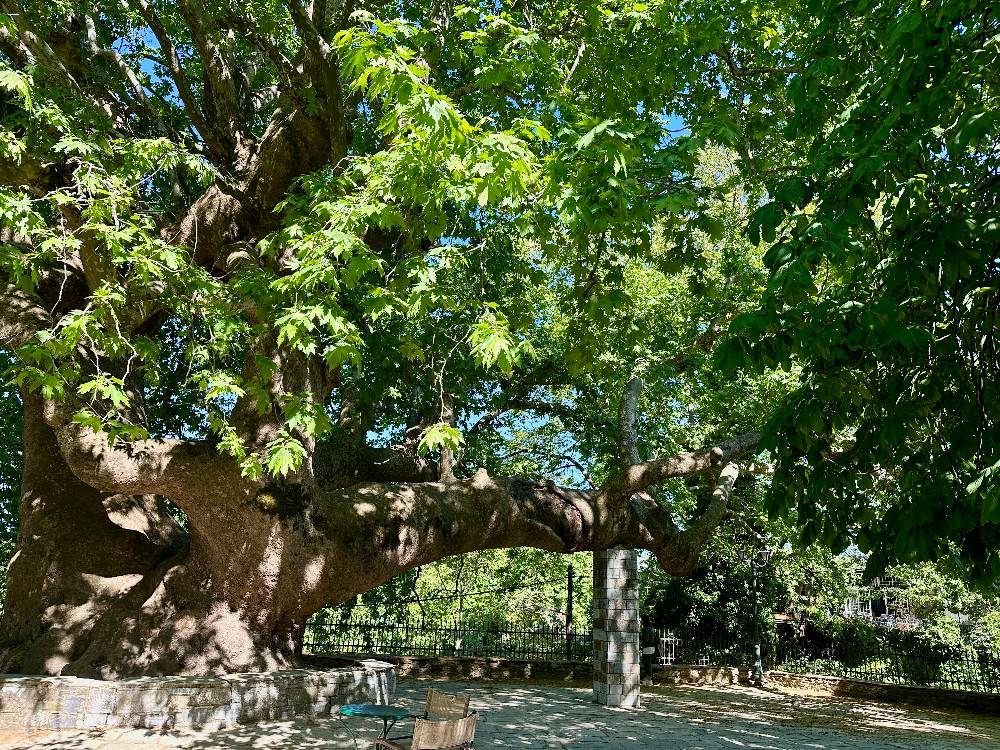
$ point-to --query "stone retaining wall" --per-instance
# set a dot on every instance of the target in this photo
(878, 691)
(688, 674)
(34, 702)
(487, 669)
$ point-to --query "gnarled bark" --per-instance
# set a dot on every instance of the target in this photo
(106, 584)
(81, 553)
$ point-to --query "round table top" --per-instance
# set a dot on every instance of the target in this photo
(374, 709)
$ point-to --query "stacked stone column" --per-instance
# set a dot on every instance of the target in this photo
(616, 627)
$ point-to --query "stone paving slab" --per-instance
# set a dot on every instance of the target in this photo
(536, 716)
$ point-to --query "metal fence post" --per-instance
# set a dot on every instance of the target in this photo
(569, 612)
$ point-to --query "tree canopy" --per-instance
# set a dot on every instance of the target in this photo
(883, 285)
(449, 210)
(348, 288)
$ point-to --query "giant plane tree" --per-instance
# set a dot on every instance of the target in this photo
(265, 264)
(282, 282)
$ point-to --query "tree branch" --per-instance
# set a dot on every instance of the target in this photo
(220, 76)
(186, 471)
(739, 73)
(698, 532)
(323, 68)
(283, 66)
(28, 171)
(640, 476)
(173, 65)
(133, 80)
(516, 403)
(627, 414)
(292, 145)
(314, 40)
(40, 49)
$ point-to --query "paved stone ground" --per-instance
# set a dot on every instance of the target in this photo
(534, 716)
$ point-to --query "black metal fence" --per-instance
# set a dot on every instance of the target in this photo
(896, 658)
(907, 662)
(327, 633)
(698, 647)
(954, 668)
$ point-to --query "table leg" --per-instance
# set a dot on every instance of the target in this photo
(386, 726)
(354, 737)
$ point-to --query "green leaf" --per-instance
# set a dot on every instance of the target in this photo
(492, 343)
(732, 355)
(792, 192)
(438, 436)
(591, 134)
(765, 221)
(974, 126)
(16, 83)
(284, 454)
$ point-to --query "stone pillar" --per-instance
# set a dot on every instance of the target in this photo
(616, 627)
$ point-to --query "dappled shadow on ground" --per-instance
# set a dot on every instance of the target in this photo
(538, 716)
(289, 735)
(697, 718)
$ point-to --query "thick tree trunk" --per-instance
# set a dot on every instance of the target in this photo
(80, 554)
(108, 585)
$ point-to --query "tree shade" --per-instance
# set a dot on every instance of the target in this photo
(298, 295)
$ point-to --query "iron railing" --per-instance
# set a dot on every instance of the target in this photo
(907, 662)
(456, 636)
(700, 648)
(954, 668)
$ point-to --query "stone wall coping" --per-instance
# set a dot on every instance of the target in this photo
(373, 665)
(888, 692)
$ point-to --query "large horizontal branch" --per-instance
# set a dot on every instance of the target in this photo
(372, 531)
(407, 524)
(641, 476)
(187, 471)
(192, 473)
(398, 463)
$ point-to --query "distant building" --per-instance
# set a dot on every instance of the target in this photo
(880, 603)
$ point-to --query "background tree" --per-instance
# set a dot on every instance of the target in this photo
(262, 264)
(519, 588)
(884, 285)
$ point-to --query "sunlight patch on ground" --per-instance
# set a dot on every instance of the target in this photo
(538, 716)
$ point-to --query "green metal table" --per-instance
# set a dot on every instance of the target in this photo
(388, 714)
